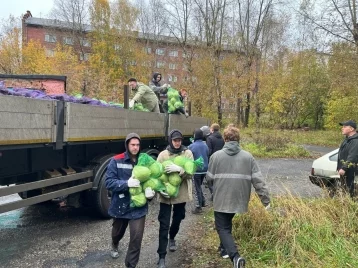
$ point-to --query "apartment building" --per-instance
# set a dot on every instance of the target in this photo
(167, 57)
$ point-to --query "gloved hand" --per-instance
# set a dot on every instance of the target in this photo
(165, 86)
(174, 168)
(164, 194)
(131, 103)
(133, 182)
(168, 86)
(268, 207)
(186, 115)
(149, 193)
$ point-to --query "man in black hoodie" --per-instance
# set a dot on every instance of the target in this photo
(348, 155)
(159, 90)
(215, 140)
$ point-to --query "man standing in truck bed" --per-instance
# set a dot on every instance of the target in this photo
(143, 94)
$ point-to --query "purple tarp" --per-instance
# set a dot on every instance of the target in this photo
(38, 94)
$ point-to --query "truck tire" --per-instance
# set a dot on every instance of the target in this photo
(100, 198)
(152, 152)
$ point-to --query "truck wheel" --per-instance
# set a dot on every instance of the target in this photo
(152, 152)
(101, 197)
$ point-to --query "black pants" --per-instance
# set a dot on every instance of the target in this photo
(223, 224)
(164, 221)
(199, 196)
(348, 181)
(136, 229)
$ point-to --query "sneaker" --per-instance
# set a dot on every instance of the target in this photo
(114, 252)
(172, 245)
(161, 263)
(197, 210)
(239, 262)
(223, 253)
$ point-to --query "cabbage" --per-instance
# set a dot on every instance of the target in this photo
(135, 190)
(156, 169)
(138, 200)
(164, 178)
(166, 163)
(170, 94)
(180, 160)
(171, 190)
(174, 179)
(190, 167)
(175, 93)
(172, 101)
(178, 104)
(141, 173)
(171, 108)
(155, 184)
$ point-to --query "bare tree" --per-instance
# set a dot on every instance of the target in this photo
(337, 18)
(252, 22)
(75, 15)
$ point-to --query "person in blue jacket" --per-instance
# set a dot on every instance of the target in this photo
(199, 149)
(119, 179)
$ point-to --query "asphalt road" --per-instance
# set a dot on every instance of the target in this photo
(46, 236)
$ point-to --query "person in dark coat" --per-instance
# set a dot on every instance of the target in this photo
(348, 156)
(119, 179)
(215, 140)
(199, 149)
(159, 90)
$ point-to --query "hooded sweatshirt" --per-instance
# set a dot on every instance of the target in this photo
(200, 149)
(232, 171)
(157, 87)
(119, 170)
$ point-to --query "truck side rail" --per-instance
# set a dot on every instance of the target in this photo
(87, 184)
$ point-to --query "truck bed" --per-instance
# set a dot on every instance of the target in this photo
(26, 121)
(31, 121)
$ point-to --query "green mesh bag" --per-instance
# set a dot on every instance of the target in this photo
(145, 160)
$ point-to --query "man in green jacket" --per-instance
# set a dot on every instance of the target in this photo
(232, 172)
(143, 94)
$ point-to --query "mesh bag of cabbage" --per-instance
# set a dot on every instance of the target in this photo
(174, 101)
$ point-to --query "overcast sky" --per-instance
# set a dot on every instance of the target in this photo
(38, 8)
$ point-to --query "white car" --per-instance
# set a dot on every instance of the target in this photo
(324, 171)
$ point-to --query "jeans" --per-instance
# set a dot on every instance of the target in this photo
(348, 181)
(164, 221)
(198, 194)
(136, 229)
(223, 224)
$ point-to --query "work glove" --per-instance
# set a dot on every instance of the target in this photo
(164, 194)
(165, 86)
(268, 207)
(133, 182)
(186, 115)
(131, 103)
(149, 193)
(174, 168)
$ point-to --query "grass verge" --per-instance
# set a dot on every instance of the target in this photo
(297, 232)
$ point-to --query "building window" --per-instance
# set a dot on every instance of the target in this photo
(222, 105)
(85, 42)
(50, 38)
(160, 64)
(50, 53)
(68, 40)
(185, 67)
(133, 62)
(84, 56)
(148, 50)
(172, 66)
(147, 64)
(172, 78)
(160, 51)
(173, 53)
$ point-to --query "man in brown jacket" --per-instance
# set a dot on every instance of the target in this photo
(174, 149)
